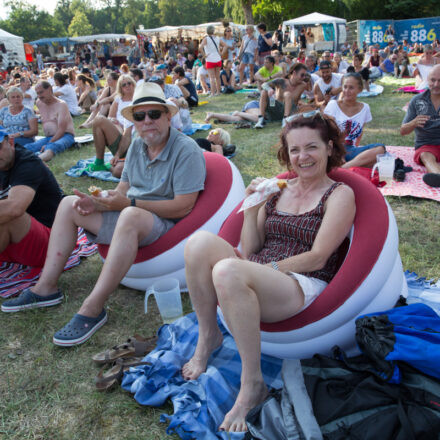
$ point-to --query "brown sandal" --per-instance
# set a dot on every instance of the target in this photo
(105, 380)
(136, 346)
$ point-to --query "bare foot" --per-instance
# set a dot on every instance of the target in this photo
(249, 397)
(208, 116)
(197, 364)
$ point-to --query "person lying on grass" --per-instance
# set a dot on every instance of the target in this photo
(290, 246)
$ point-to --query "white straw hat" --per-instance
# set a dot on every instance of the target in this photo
(147, 93)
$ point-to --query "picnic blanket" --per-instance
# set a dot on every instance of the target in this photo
(16, 277)
(246, 90)
(409, 89)
(79, 169)
(375, 89)
(199, 405)
(196, 127)
(413, 184)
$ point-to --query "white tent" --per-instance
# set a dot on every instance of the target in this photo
(316, 19)
(197, 31)
(102, 37)
(14, 49)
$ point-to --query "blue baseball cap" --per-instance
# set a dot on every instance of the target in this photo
(3, 134)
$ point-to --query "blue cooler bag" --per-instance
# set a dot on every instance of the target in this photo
(408, 334)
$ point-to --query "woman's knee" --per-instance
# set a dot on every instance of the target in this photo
(228, 276)
(199, 245)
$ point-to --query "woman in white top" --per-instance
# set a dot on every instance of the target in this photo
(351, 115)
(66, 92)
(212, 47)
(339, 65)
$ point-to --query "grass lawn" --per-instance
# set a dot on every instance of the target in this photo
(48, 392)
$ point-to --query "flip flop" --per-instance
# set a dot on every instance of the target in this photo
(105, 380)
(135, 346)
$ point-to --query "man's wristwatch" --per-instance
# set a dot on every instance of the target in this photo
(133, 202)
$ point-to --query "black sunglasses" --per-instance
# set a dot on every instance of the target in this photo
(152, 114)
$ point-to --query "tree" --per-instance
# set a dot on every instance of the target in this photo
(80, 25)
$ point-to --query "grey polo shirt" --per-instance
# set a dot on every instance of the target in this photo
(429, 134)
(178, 169)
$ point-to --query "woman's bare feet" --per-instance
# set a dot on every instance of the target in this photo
(208, 116)
(205, 346)
(249, 397)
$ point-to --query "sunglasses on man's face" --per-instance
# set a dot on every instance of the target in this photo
(152, 114)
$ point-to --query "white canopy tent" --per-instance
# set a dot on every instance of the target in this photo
(317, 19)
(14, 49)
(197, 31)
(102, 37)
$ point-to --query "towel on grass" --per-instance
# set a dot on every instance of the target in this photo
(196, 127)
(16, 277)
(409, 89)
(375, 89)
(199, 405)
(79, 169)
(413, 185)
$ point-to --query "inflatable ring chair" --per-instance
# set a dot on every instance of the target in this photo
(224, 189)
(370, 279)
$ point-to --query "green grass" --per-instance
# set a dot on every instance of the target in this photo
(48, 392)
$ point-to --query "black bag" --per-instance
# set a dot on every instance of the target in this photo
(350, 401)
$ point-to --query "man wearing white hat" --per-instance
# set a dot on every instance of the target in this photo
(163, 174)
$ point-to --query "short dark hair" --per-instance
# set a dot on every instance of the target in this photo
(297, 67)
(61, 78)
(178, 70)
(270, 58)
(328, 131)
(325, 64)
(262, 26)
(137, 72)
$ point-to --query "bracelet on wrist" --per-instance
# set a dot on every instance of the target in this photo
(275, 265)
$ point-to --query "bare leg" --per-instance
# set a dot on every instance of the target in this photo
(264, 98)
(430, 162)
(104, 133)
(251, 73)
(288, 102)
(221, 117)
(88, 122)
(62, 241)
(46, 155)
(249, 115)
(217, 80)
(365, 159)
(245, 293)
(211, 74)
(134, 224)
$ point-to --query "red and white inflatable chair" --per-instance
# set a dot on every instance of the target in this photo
(224, 189)
(370, 279)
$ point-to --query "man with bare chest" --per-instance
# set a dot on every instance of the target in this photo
(280, 97)
(57, 124)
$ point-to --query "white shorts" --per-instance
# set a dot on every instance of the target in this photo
(311, 287)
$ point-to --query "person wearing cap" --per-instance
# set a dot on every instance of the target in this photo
(422, 117)
(163, 173)
(328, 86)
(29, 198)
(57, 124)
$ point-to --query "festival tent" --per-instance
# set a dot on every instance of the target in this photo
(102, 37)
(14, 48)
(333, 27)
(65, 41)
(197, 31)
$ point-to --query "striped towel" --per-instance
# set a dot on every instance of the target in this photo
(199, 405)
(16, 277)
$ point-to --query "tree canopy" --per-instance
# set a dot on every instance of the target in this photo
(79, 17)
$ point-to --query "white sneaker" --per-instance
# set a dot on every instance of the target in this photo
(260, 123)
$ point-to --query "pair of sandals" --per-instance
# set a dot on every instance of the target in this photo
(121, 358)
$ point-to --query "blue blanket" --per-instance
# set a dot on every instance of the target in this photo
(79, 170)
(199, 405)
(196, 127)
